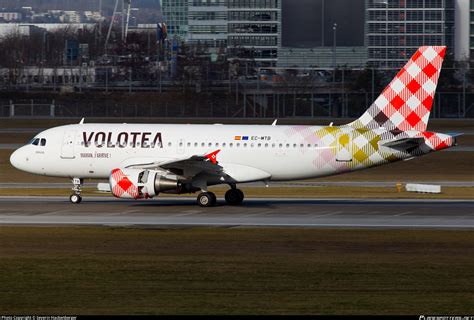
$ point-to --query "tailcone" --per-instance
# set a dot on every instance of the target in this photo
(439, 141)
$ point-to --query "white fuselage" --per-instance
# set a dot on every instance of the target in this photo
(93, 150)
(247, 152)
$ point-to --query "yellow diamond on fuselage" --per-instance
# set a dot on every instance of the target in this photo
(344, 140)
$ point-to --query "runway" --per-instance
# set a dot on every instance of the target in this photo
(169, 212)
(291, 184)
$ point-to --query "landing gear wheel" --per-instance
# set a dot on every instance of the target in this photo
(206, 199)
(234, 197)
(75, 198)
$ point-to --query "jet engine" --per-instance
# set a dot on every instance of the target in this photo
(143, 184)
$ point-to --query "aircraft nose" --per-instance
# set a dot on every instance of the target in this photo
(17, 159)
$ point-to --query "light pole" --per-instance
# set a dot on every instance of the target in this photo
(334, 29)
(322, 23)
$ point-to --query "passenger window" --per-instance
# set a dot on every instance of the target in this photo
(309, 146)
(231, 144)
(210, 144)
(189, 144)
(259, 145)
(195, 144)
(217, 144)
(266, 145)
(281, 145)
(245, 145)
(238, 144)
(294, 145)
(169, 144)
(43, 142)
(223, 145)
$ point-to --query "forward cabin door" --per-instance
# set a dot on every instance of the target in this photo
(344, 147)
(67, 148)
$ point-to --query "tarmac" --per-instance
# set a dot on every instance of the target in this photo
(295, 184)
(262, 212)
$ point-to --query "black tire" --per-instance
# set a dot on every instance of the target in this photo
(75, 198)
(234, 197)
(206, 199)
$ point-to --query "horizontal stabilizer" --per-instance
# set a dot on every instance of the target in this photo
(405, 144)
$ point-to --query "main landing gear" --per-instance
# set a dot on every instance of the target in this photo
(233, 197)
(76, 196)
(206, 199)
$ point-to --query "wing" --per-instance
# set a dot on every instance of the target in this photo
(186, 167)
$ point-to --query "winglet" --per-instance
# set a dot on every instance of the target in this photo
(213, 156)
(275, 122)
(82, 121)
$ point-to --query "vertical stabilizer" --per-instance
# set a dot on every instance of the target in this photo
(406, 102)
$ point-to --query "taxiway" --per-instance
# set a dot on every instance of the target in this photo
(267, 212)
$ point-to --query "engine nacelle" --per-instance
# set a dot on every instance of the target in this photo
(142, 184)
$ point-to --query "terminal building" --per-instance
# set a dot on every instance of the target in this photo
(395, 29)
(249, 30)
(323, 33)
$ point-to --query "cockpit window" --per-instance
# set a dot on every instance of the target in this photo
(43, 142)
(35, 141)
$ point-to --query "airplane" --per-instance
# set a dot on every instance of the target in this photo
(142, 161)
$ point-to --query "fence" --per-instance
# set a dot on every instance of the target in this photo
(249, 105)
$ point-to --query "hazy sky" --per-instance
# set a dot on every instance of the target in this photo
(302, 27)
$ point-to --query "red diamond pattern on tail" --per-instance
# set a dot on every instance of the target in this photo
(418, 79)
(430, 70)
(441, 146)
(416, 56)
(428, 134)
(413, 86)
(413, 119)
(397, 102)
(428, 102)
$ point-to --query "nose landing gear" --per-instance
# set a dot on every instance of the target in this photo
(76, 196)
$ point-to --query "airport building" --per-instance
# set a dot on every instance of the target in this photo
(397, 28)
(254, 30)
(381, 33)
(207, 23)
(471, 29)
(248, 29)
(323, 33)
(175, 15)
(464, 30)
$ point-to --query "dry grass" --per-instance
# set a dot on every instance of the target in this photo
(235, 271)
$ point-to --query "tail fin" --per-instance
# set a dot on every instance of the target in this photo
(406, 102)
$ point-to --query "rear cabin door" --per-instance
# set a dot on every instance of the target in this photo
(67, 148)
(344, 147)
